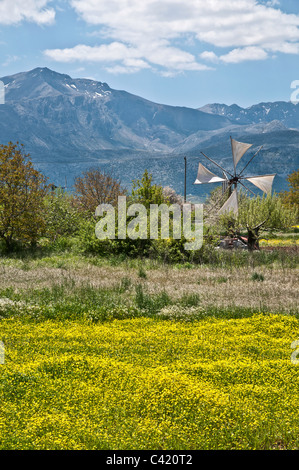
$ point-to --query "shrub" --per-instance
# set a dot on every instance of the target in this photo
(257, 277)
(151, 304)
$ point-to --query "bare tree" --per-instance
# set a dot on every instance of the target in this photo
(171, 196)
(95, 187)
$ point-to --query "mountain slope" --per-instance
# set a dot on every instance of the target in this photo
(285, 112)
(65, 114)
(69, 125)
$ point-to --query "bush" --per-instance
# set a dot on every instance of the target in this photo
(257, 277)
(190, 300)
(151, 304)
(62, 218)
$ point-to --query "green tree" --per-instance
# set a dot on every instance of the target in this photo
(22, 192)
(290, 198)
(147, 193)
(259, 213)
(62, 217)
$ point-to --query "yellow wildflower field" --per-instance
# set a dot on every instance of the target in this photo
(279, 242)
(150, 384)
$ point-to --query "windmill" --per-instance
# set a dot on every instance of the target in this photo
(232, 181)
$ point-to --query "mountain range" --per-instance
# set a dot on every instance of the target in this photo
(69, 125)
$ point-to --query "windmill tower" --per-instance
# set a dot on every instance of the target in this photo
(232, 181)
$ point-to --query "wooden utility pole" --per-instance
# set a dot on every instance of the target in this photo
(185, 184)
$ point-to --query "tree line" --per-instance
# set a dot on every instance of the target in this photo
(32, 209)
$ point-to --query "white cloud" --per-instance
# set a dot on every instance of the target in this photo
(272, 3)
(36, 11)
(154, 32)
(210, 56)
(114, 51)
(10, 59)
(243, 54)
(129, 59)
(236, 56)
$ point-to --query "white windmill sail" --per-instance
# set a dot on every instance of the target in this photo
(238, 150)
(231, 204)
(262, 182)
(206, 176)
(225, 183)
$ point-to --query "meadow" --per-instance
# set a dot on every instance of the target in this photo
(120, 353)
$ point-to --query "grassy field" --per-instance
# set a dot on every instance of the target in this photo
(130, 354)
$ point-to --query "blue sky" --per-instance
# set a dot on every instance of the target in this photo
(177, 52)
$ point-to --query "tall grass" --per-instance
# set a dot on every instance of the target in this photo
(126, 299)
